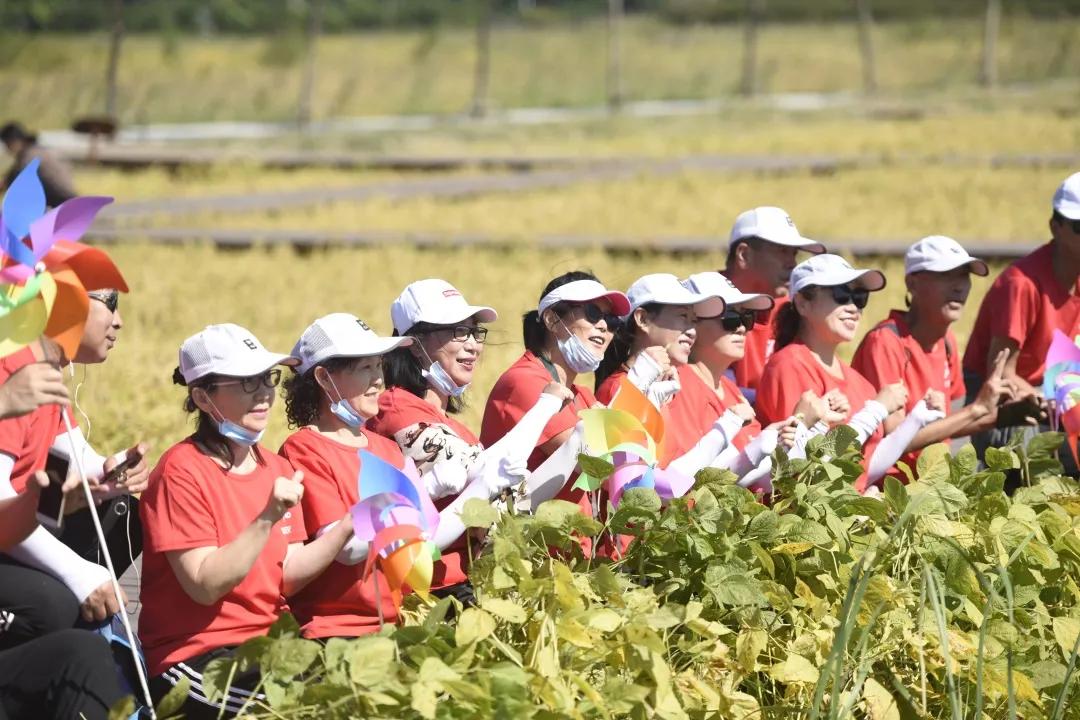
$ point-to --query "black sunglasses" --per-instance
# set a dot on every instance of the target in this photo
(731, 320)
(110, 299)
(594, 314)
(270, 379)
(847, 295)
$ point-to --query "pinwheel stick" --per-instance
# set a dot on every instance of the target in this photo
(112, 572)
(378, 595)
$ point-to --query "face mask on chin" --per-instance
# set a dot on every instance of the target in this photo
(234, 431)
(439, 379)
(576, 353)
(343, 409)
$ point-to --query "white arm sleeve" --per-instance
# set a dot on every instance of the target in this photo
(753, 455)
(893, 445)
(548, 479)
(802, 436)
(519, 442)
(44, 552)
(865, 422)
(709, 446)
(66, 443)
(760, 478)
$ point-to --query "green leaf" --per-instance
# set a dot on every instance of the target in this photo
(1001, 459)
(874, 509)
(173, 700)
(764, 527)
(749, 646)
(284, 626)
(434, 670)
(794, 669)
(123, 709)
(1065, 631)
(880, 704)
(1045, 444)
(215, 677)
(478, 513)
(372, 659)
(603, 619)
(473, 625)
(288, 657)
(554, 513)
(505, 609)
(596, 467)
(896, 494)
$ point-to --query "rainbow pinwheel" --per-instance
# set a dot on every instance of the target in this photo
(626, 435)
(1061, 383)
(396, 516)
(45, 272)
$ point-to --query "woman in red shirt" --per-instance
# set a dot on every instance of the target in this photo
(917, 346)
(223, 528)
(828, 296)
(566, 336)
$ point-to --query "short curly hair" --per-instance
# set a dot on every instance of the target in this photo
(303, 396)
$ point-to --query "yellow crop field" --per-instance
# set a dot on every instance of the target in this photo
(276, 293)
(389, 72)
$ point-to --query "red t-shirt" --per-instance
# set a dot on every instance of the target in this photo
(399, 408)
(27, 439)
(759, 348)
(733, 396)
(1025, 304)
(514, 394)
(889, 353)
(793, 370)
(192, 502)
(337, 603)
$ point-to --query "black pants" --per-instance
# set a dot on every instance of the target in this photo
(119, 522)
(197, 707)
(69, 674)
(32, 604)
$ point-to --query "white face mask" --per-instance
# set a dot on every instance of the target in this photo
(439, 379)
(234, 431)
(344, 409)
(576, 353)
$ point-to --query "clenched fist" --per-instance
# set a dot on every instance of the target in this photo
(286, 494)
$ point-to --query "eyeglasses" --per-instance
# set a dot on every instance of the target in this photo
(732, 320)
(461, 333)
(594, 314)
(847, 295)
(269, 379)
(110, 299)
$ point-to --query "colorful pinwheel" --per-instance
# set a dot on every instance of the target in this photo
(395, 515)
(45, 272)
(626, 435)
(1061, 383)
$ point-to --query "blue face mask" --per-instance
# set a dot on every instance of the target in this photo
(234, 431)
(576, 353)
(440, 380)
(344, 410)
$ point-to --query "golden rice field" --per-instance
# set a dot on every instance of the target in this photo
(171, 79)
(276, 293)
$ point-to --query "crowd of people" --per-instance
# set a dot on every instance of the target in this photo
(232, 533)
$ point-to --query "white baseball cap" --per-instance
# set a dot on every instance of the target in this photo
(827, 270)
(436, 302)
(938, 253)
(580, 291)
(774, 225)
(1067, 197)
(341, 335)
(714, 283)
(665, 289)
(226, 349)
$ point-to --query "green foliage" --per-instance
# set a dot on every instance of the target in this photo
(943, 598)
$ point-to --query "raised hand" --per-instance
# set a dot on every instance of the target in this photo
(30, 387)
(285, 494)
(893, 396)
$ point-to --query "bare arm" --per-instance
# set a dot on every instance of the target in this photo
(305, 561)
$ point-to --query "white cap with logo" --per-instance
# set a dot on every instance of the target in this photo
(714, 283)
(774, 225)
(580, 291)
(1067, 197)
(435, 302)
(938, 253)
(665, 289)
(827, 270)
(341, 335)
(226, 349)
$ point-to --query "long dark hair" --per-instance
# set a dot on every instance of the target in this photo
(788, 321)
(303, 395)
(622, 344)
(533, 331)
(206, 431)
(402, 368)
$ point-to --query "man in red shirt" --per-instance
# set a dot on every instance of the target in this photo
(1037, 294)
(762, 252)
